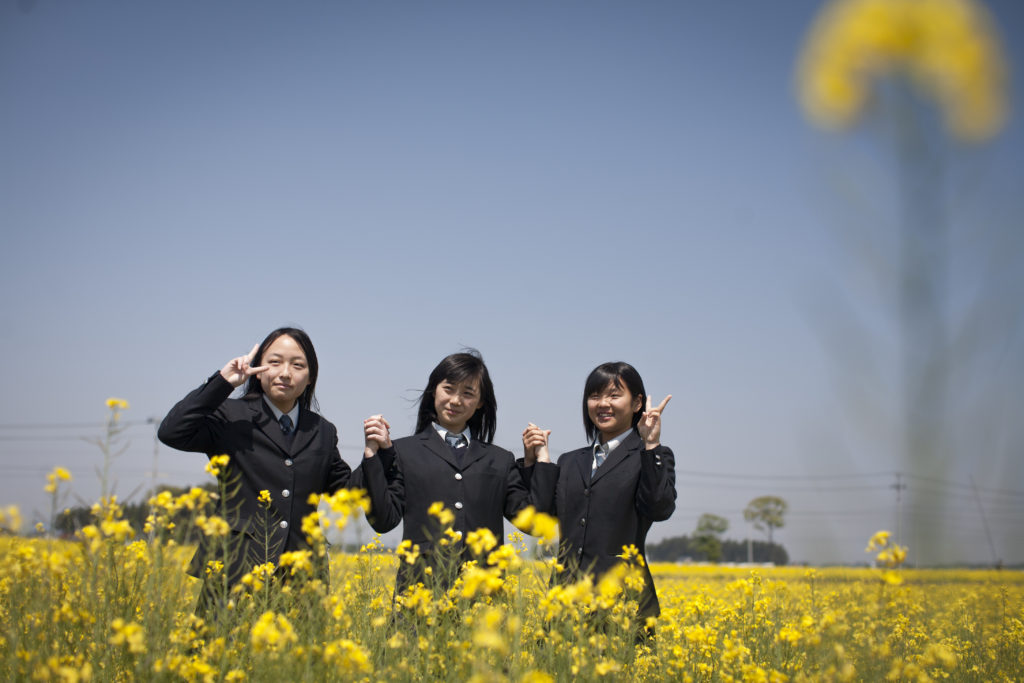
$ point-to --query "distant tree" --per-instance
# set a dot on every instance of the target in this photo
(766, 513)
(672, 549)
(707, 539)
(682, 548)
(184, 530)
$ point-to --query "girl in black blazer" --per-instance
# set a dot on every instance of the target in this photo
(610, 491)
(276, 442)
(450, 459)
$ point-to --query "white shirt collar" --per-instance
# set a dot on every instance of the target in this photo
(293, 413)
(443, 432)
(607, 446)
(611, 444)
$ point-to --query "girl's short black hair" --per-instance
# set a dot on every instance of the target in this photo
(308, 399)
(619, 374)
(459, 367)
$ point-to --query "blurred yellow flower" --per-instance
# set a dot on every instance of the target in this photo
(128, 633)
(10, 518)
(213, 525)
(117, 404)
(443, 514)
(879, 540)
(481, 541)
(272, 632)
(539, 524)
(946, 48)
(216, 464)
(299, 561)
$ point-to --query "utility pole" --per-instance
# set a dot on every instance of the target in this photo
(900, 487)
(984, 523)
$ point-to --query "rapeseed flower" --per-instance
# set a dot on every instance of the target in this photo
(947, 49)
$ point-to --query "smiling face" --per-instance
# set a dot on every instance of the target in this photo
(455, 403)
(611, 409)
(287, 373)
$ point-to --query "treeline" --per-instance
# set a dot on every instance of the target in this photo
(684, 548)
(182, 528)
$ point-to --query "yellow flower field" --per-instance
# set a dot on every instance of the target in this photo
(112, 607)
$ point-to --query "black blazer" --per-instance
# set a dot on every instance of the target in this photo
(262, 458)
(402, 482)
(598, 516)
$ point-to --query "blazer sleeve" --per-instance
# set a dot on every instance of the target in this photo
(384, 483)
(656, 491)
(194, 423)
(528, 486)
(339, 474)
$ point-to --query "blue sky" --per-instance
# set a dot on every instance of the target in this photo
(555, 184)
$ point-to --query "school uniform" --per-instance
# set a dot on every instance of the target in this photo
(479, 486)
(262, 458)
(602, 509)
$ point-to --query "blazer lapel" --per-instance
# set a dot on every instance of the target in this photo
(433, 443)
(585, 463)
(475, 451)
(266, 423)
(307, 429)
(625, 449)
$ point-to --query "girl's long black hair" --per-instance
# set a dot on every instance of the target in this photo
(458, 367)
(308, 399)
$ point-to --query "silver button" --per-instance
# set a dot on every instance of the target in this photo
(579, 551)
(583, 522)
(285, 493)
(458, 506)
(288, 462)
(283, 524)
(458, 476)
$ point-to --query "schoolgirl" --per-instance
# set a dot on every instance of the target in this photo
(450, 459)
(276, 442)
(610, 491)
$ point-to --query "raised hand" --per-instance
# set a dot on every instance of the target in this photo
(237, 370)
(535, 445)
(649, 426)
(377, 433)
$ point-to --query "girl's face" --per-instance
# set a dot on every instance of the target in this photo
(287, 373)
(455, 403)
(612, 409)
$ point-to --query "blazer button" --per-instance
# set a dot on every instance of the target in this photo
(458, 476)
(285, 493)
(586, 492)
(288, 462)
(283, 524)
(458, 506)
(579, 551)
(583, 522)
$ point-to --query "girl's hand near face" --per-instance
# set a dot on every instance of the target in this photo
(649, 426)
(535, 445)
(237, 370)
(377, 433)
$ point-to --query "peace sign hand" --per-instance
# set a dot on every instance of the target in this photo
(237, 370)
(649, 426)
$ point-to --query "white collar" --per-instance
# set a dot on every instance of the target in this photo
(444, 432)
(293, 413)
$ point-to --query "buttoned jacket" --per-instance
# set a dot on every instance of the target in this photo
(480, 487)
(599, 514)
(262, 458)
